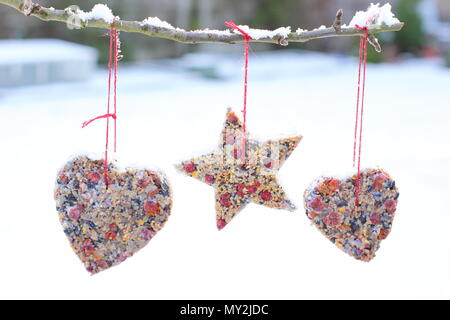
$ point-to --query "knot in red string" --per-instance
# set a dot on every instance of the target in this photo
(363, 28)
(368, 22)
(232, 25)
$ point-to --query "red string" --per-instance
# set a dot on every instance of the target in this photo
(247, 39)
(360, 107)
(112, 64)
(116, 54)
(86, 123)
(357, 98)
(111, 40)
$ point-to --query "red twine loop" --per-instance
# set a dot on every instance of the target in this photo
(360, 107)
(247, 39)
(86, 123)
(112, 67)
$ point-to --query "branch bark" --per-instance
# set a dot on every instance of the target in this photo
(68, 16)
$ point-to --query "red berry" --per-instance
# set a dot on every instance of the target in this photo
(328, 186)
(332, 219)
(74, 213)
(375, 218)
(209, 178)
(240, 190)
(232, 117)
(266, 195)
(317, 204)
(154, 179)
(93, 177)
(252, 189)
(151, 208)
(190, 167)
(225, 200)
(383, 234)
(143, 183)
(110, 235)
(378, 181)
(221, 224)
(390, 205)
(88, 247)
(63, 179)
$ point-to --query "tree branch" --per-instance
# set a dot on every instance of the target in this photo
(70, 17)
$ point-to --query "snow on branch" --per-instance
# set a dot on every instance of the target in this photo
(377, 19)
(375, 15)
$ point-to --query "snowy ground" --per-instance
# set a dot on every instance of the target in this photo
(170, 112)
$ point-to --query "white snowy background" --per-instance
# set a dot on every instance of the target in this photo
(168, 113)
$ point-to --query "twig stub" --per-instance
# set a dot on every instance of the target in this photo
(338, 20)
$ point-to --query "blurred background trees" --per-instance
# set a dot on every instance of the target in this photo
(194, 14)
(412, 38)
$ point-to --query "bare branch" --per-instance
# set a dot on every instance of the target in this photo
(199, 36)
